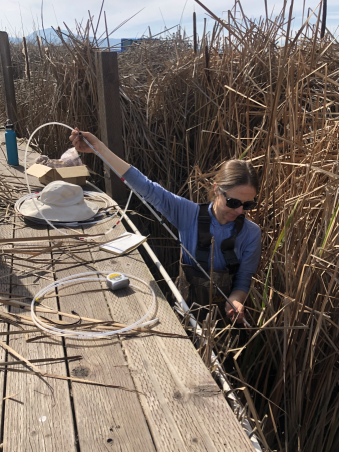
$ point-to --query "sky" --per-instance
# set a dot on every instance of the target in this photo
(20, 18)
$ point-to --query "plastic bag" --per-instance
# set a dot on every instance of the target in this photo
(71, 157)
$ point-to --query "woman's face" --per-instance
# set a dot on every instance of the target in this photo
(225, 214)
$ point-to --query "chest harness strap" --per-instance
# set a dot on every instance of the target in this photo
(227, 246)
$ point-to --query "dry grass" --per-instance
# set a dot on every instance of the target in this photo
(241, 96)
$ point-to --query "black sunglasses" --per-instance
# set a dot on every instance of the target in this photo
(234, 203)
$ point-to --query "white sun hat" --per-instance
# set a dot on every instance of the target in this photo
(60, 201)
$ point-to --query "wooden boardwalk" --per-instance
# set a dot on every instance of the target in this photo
(178, 406)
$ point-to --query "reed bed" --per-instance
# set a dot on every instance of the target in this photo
(251, 90)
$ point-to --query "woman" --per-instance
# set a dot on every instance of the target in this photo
(237, 244)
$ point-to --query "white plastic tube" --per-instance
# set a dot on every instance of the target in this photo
(33, 196)
(85, 277)
(26, 175)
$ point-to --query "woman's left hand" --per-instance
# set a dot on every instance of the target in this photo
(232, 314)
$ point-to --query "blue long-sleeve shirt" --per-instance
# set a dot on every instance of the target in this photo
(183, 214)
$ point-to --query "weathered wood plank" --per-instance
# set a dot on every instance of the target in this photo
(42, 411)
(6, 231)
(106, 417)
(183, 405)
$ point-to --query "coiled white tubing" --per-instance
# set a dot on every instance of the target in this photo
(49, 329)
(83, 277)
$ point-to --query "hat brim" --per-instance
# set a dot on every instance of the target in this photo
(77, 212)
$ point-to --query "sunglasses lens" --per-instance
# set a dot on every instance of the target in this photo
(248, 205)
(233, 203)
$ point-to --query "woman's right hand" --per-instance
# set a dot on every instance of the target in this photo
(79, 143)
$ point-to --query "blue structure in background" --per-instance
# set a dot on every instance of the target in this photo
(126, 43)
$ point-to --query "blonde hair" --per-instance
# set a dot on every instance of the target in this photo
(234, 173)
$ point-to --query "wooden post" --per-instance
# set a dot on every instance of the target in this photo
(7, 74)
(110, 120)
